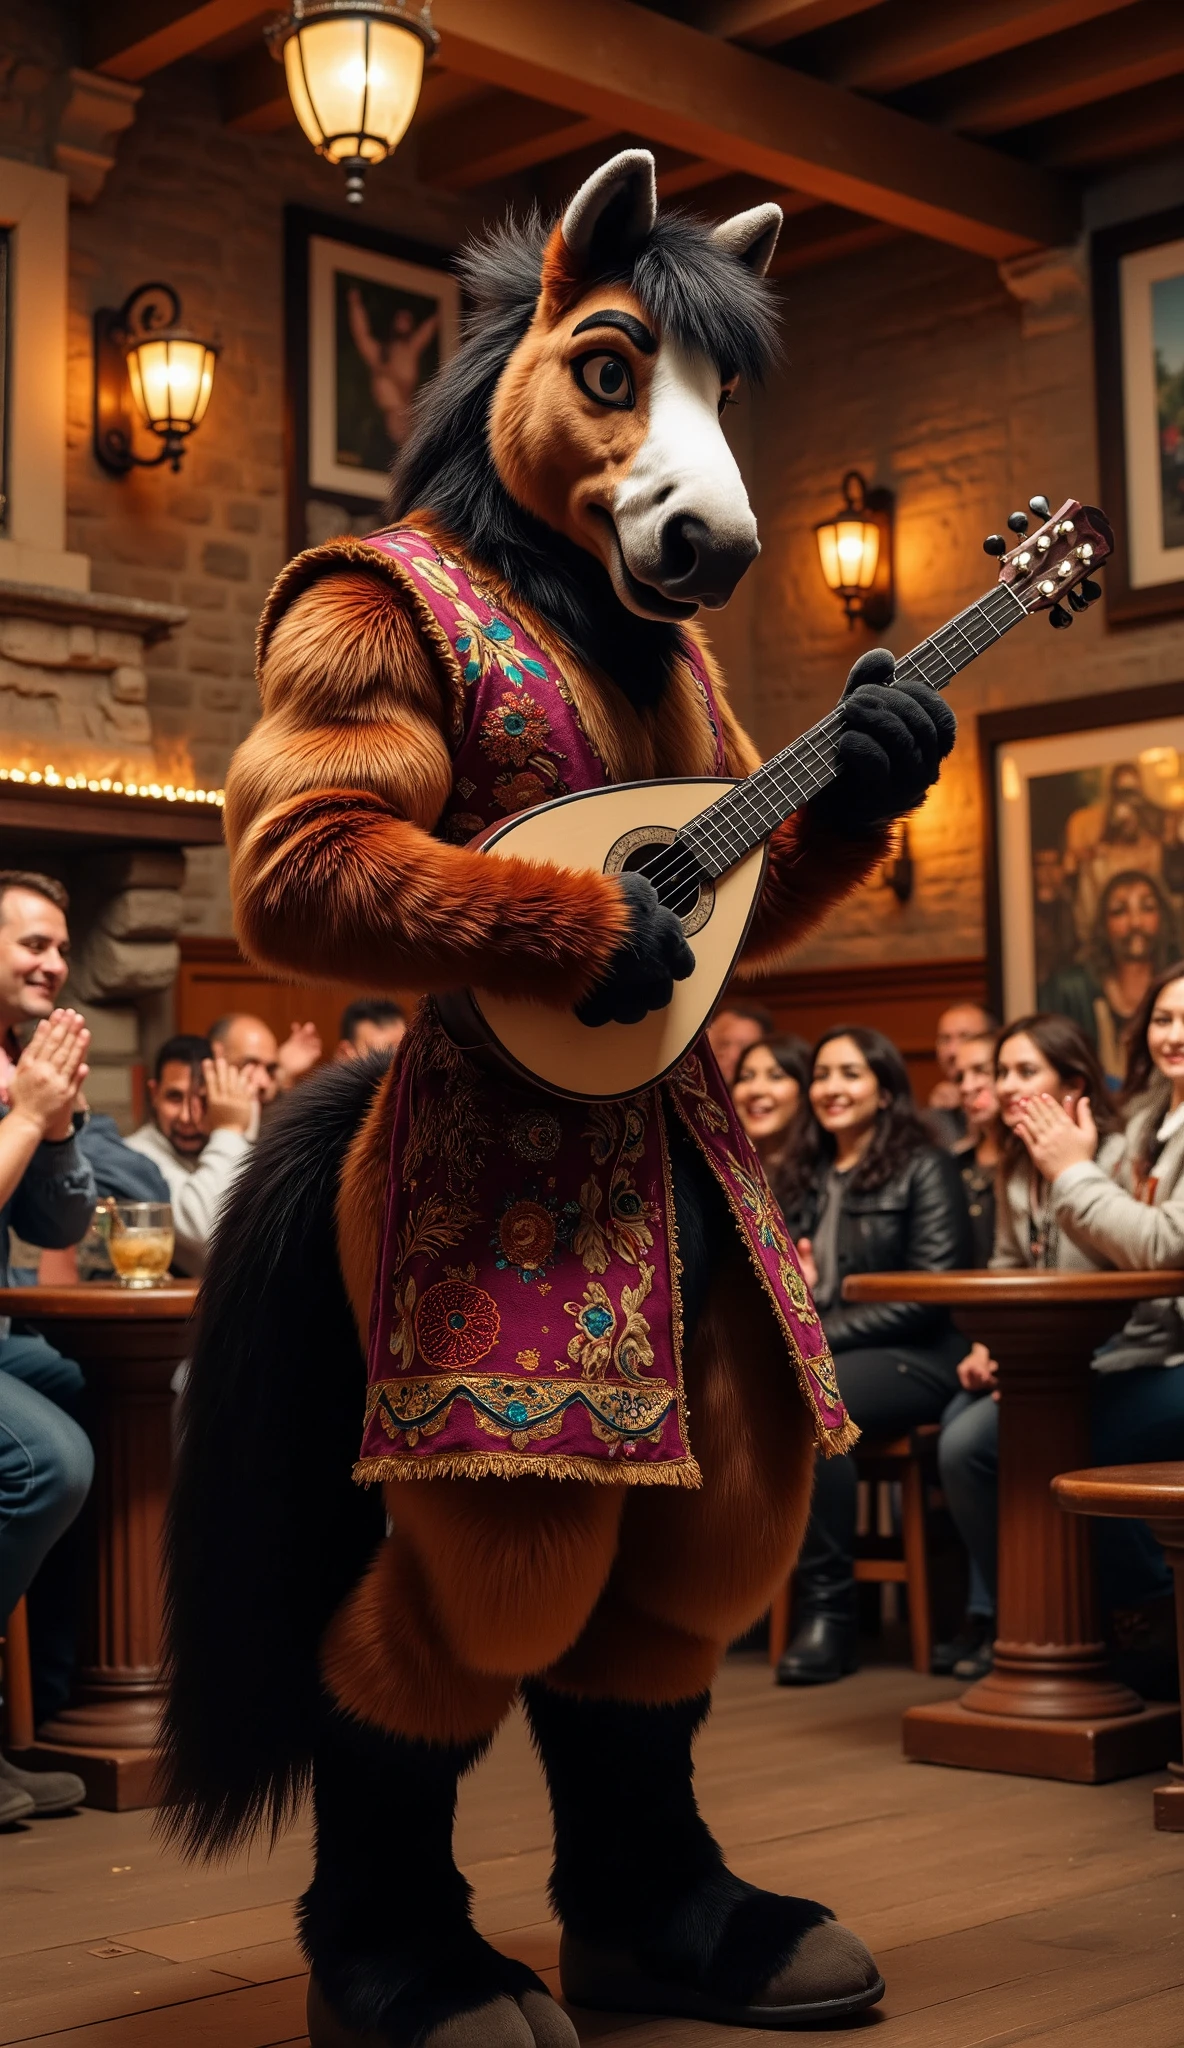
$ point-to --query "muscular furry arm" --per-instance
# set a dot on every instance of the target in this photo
(329, 807)
(811, 868)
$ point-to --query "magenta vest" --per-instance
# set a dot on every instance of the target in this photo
(527, 1313)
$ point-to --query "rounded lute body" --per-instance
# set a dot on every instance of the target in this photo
(626, 825)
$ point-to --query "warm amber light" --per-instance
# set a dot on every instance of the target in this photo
(849, 550)
(152, 792)
(855, 563)
(354, 70)
(171, 377)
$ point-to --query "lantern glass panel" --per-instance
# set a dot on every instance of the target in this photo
(171, 377)
(354, 85)
(849, 550)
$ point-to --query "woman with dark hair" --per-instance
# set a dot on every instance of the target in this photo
(865, 1190)
(768, 1091)
(1042, 1059)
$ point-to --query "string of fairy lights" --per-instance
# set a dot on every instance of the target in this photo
(109, 785)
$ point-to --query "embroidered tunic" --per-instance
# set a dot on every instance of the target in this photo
(527, 1313)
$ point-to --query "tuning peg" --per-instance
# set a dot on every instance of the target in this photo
(1040, 507)
(994, 544)
(1090, 590)
(1058, 616)
(1078, 603)
(1018, 522)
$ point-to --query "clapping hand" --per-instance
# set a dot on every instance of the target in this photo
(807, 1262)
(229, 1096)
(49, 1074)
(299, 1053)
(1054, 1138)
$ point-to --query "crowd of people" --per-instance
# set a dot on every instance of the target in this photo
(1024, 1156)
(208, 1099)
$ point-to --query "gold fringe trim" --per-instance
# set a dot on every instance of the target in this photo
(521, 1465)
(837, 1441)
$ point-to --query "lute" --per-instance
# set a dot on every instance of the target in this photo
(701, 841)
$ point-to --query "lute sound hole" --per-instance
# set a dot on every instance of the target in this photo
(653, 851)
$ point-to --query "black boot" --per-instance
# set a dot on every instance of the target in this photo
(823, 1648)
(396, 1961)
(653, 1921)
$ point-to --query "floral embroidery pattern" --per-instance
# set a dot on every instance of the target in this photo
(512, 731)
(529, 1232)
(605, 1334)
(523, 1410)
(429, 1230)
(456, 1324)
(535, 1136)
(625, 1230)
(492, 644)
(616, 1130)
(690, 1080)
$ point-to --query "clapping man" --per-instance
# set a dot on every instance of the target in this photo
(204, 1116)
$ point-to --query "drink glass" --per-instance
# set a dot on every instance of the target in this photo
(141, 1243)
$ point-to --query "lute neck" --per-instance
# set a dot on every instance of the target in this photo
(736, 823)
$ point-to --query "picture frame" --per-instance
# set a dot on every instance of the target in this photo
(1138, 290)
(1083, 807)
(368, 318)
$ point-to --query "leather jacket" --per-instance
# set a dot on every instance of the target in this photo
(916, 1222)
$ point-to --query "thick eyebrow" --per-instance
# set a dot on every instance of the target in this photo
(637, 333)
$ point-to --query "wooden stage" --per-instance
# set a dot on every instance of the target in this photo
(1003, 1910)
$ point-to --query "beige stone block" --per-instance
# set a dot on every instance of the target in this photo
(114, 1029)
(82, 647)
(143, 914)
(114, 647)
(129, 721)
(145, 867)
(124, 967)
(129, 685)
(36, 641)
(109, 1092)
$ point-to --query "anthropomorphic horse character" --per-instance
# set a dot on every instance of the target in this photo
(571, 1338)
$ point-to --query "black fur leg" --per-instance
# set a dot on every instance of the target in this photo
(653, 1920)
(395, 1958)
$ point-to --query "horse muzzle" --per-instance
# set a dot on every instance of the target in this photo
(699, 566)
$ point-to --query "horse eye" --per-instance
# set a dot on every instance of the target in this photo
(606, 379)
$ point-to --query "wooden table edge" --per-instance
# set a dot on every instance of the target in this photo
(100, 1301)
(976, 1288)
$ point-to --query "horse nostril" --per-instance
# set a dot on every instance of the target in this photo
(682, 539)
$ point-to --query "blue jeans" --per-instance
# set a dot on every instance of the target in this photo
(46, 1468)
(1137, 1418)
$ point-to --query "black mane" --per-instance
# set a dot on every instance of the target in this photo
(692, 290)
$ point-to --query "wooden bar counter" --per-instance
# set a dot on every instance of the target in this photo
(129, 1343)
(1050, 1708)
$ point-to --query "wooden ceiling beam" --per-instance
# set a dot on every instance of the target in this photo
(762, 24)
(504, 133)
(824, 235)
(637, 71)
(901, 44)
(252, 93)
(1117, 130)
(1067, 71)
(133, 38)
(688, 176)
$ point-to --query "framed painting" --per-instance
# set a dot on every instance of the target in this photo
(1085, 856)
(369, 318)
(1138, 274)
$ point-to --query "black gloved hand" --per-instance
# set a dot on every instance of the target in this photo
(893, 745)
(642, 972)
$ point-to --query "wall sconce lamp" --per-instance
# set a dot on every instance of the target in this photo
(855, 550)
(149, 371)
(354, 70)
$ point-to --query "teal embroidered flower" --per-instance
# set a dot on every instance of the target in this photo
(491, 644)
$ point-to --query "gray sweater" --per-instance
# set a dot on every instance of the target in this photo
(1099, 1212)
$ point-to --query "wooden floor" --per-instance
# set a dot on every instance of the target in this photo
(1002, 1909)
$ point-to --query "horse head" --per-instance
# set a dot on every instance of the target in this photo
(606, 422)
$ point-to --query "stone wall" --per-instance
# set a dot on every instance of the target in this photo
(919, 367)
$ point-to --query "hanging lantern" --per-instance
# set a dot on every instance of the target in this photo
(354, 70)
(855, 550)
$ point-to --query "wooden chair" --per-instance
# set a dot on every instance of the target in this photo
(911, 1462)
(1145, 1493)
(18, 1681)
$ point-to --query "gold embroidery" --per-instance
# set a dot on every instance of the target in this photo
(431, 1228)
(603, 1333)
(407, 1408)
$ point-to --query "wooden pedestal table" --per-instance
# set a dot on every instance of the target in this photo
(1050, 1708)
(129, 1343)
(1147, 1493)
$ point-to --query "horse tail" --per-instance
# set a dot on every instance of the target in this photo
(266, 1530)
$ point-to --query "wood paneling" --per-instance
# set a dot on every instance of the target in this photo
(215, 979)
(904, 1000)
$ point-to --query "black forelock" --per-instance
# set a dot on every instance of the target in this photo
(690, 288)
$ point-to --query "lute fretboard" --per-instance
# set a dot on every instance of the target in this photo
(736, 823)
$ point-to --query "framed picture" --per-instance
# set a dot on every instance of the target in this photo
(369, 318)
(1138, 272)
(1085, 857)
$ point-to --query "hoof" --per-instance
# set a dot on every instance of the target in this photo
(533, 2021)
(831, 1977)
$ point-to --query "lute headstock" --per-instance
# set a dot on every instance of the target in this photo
(1054, 565)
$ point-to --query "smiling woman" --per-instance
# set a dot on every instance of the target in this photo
(769, 1089)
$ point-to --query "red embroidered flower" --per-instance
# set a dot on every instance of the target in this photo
(513, 729)
(456, 1324)
(519, 792)
(525, 1237)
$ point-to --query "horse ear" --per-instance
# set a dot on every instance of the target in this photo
(751, 237)
(613, 211)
